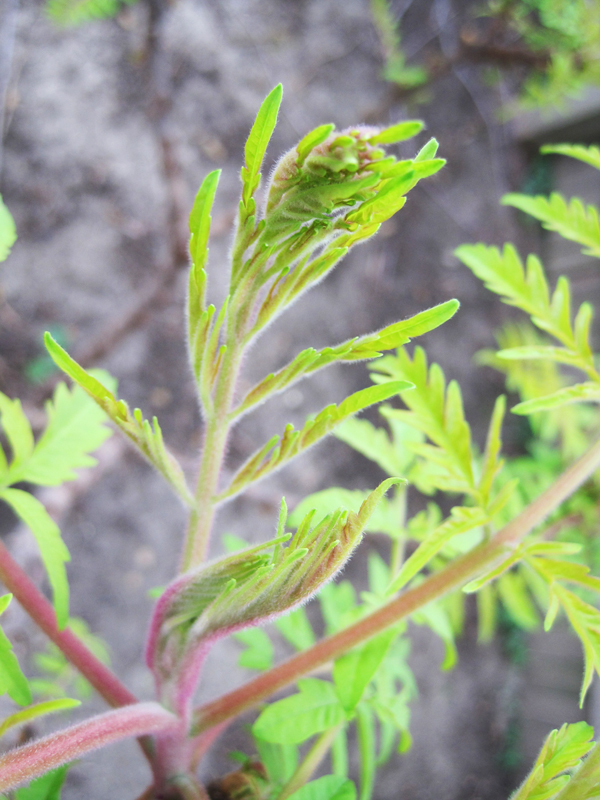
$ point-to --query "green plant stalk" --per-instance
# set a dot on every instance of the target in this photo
(213, 455)
(313, 758)
(454, 576)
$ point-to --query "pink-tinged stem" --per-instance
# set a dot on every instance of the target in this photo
(27, 762)
(453, 576)
(40, 610)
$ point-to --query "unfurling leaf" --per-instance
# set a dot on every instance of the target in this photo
(252, 586)
(146, 437)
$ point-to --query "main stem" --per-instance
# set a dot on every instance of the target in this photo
(211, 462)
(453, 576)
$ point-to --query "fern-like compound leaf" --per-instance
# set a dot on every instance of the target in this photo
(145, 436)
(281, 449)
(573, 219)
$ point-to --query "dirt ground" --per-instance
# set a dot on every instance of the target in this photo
(108, 135)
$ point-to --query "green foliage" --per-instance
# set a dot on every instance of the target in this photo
(77, 12)
(8, 231)
(48, 787)
(561, 752)
(329, 787)
(75, 429)
(12, 680)
(146, 437)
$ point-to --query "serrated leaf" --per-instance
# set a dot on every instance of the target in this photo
(146, 437)
(53, 550)
(572, 220)
(562, 750)
(256, 145)
(8, 231)
(294, 719)
(436, 411)
(590, 155)
(17, 430)
(462, 519)
(580, 392)
(76, 427)
(259, 650)
(329, 787)
(37, 710)
(280, 450)
(12, 680)
(308, 361)
(353, 671)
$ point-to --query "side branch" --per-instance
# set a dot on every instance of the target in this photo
(453, 576)
(36, 758)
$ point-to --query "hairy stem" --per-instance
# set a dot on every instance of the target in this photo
(453, 576)
(42, 613)
(36, 758)
(313, 758)
(213, 455)
(104, 681)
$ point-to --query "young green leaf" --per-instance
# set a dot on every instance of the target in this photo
(259, 138)
(437, 412)
(384, 518)
(8, 231)
(35, 711)
(573, 221)
(329, 787)
(294, 719)
(146, 437)
(76, 427)
(53, 550)
(397, 133)
(279, 450)
(200, 220)
(371, 346)
(12, 680)
(561, 752)
(590, 155)
(579, 393)
(18, 432)
(353, 671)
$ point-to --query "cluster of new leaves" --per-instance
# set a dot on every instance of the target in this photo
(252, 586)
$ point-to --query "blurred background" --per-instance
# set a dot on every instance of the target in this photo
(109, 126)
